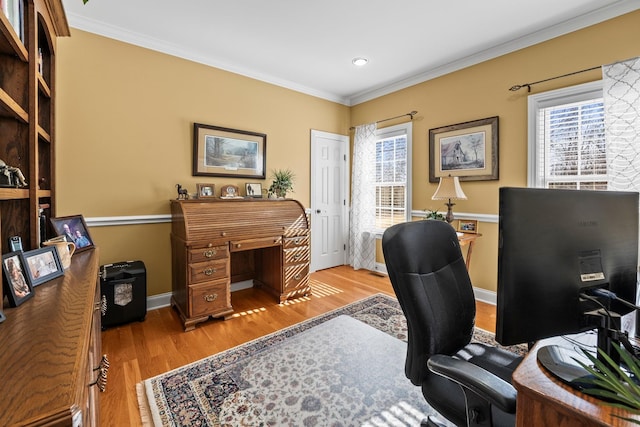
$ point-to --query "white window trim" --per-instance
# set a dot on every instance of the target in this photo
(402, 129)
(535, 102)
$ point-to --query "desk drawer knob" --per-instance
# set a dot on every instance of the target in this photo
(210, 253)
(297, 276)
(224, 233)
(209, 271)
(296, 257)
(297, 240)
(238, 245)
(211, 297)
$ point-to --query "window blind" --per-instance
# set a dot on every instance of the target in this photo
(573, 153)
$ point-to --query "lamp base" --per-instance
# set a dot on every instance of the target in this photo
(449, 216)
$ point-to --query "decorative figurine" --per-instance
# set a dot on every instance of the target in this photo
(183, 193)
(14, 176)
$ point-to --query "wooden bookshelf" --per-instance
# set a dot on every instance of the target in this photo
(28, 33)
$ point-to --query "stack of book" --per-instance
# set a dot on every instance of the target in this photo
(14, 11)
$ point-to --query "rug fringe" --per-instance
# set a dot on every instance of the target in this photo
(143, 405)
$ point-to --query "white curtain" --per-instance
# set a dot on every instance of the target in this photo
(362, 243)
(621, 92)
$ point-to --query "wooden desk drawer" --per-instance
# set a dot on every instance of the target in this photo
(263, 242)
(292, 242)
(209, 298)
(296, 276)
(207, 271)
(297, 255)
(207, 253)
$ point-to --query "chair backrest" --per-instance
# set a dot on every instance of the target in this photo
(430, 279)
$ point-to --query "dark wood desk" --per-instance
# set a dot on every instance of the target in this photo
(545, 401)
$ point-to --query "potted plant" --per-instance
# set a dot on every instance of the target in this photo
(434, 214)
(282, 183)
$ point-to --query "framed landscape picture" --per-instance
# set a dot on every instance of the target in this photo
(219, 151)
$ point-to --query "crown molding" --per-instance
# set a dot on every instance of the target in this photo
(574, 24)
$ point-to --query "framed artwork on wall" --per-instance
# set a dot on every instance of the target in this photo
(467, 150)
(219, 151)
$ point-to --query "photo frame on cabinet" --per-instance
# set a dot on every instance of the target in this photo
(467, 150)
(42, 265)
(219, 151)
(17, 284)
(206, 191)
(253, 189)
(74, 229)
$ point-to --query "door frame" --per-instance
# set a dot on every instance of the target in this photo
(346, 141)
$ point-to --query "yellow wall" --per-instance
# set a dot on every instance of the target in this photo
(482, 91)
(124, 132)
(125, 116)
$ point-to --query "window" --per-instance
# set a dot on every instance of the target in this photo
(567, 138)
(393, 175)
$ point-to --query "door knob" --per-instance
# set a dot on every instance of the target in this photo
(318, 211)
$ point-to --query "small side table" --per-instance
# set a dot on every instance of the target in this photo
(468, 239)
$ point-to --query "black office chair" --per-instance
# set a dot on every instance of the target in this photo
(467, 383)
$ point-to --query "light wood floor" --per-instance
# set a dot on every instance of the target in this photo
(141, 350)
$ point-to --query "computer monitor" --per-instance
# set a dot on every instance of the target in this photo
(555, 245)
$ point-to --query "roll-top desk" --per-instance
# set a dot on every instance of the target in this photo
(218, 242)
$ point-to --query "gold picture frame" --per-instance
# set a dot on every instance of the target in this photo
(467, 150)
(206, 191)
(468, 226)
(219, 151)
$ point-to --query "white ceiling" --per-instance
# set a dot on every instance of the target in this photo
(308, 46)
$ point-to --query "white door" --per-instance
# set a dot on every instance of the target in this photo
(329, 191)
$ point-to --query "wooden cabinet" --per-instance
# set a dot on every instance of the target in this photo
(51, 363)
(27, 116)
(219, 242)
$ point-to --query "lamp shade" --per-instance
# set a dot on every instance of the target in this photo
(449, 188)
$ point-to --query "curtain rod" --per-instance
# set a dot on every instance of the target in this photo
(515, 88)
(411, 114)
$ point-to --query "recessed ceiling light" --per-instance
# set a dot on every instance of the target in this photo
(360, 62)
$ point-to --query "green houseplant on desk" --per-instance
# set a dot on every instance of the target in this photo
(282, 183)
(613, 384)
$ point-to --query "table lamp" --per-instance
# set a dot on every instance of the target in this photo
(449, 189)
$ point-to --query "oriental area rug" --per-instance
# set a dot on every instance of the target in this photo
(342, 368)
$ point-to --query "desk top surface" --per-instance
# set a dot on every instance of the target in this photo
(533, 380)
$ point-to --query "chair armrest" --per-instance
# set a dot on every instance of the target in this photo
(482, 382)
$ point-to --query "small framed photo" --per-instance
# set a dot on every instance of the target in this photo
(206, 191)
(17, 284)
(43, 264)
(468, 225)
(74, 229)
(253, 189)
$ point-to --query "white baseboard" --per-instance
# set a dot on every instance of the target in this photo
(483, 295)
(164, 300)
(158, 301)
